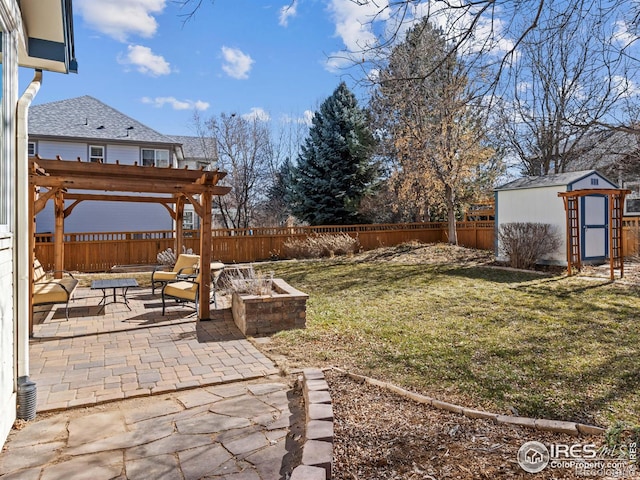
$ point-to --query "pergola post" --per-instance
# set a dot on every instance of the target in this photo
(179, 240)
(58, 238)
(205, 254)
(614, 226)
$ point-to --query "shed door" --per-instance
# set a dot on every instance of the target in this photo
(595, 228)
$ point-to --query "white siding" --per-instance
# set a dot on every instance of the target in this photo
(586, 183)
(108, 217)
(538, 205)
(7, 336)
(125, 154)
(66, 150)
(9, 16)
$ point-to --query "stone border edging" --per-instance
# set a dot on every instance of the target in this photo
(317, 451)
(555, 426)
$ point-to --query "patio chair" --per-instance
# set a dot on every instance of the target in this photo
(50, 291)
(182, 291)
(185, 265)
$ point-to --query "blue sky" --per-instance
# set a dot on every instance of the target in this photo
(271, 58)
(236, 56)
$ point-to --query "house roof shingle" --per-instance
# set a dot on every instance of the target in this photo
(89, 119)
(554, 180)
(197, 147)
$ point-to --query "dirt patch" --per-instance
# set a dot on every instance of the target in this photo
(381, 435)
(429, 253)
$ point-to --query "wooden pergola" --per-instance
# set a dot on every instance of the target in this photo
(170, 187)
(615, 214)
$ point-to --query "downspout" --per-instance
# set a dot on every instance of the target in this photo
(23, 242)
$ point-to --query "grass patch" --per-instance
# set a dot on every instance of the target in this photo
(552, 347)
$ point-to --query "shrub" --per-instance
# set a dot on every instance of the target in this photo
(247, 281)
(168, 257)
(525, 243)
(317, 245)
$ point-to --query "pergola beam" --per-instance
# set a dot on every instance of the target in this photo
(142, 185)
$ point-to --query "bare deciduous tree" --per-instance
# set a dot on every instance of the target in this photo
(567, 85)
(245, 153)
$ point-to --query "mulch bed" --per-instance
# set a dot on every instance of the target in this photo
(381, 435)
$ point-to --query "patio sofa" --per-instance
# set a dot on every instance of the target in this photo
(185, 265)
(51, 291)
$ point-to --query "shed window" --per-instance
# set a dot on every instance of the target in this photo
(31, 149)
(96, 153)
(155, 158)
(594, 181)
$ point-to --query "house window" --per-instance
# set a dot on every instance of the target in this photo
(155, 158)
(188, 221)
(96, 153)
(31, 149)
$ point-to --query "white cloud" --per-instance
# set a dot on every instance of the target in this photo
(353, 23)
(625, 87)
(361, 25)
(257, 113)
(176, 104)
(237, 63)
(121, 18)
(200, 105)
(622, 34)
(287, 12)
(146, 61)
(305, 119)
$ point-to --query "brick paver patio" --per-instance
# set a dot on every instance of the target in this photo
(115, 353)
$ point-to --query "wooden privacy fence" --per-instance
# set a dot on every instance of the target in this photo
(99, 252)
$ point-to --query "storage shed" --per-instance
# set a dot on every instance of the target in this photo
(580, 205)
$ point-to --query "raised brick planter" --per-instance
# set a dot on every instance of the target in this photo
(284, 309)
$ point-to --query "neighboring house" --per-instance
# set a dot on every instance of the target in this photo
(85, 128)
(198, 153)
(535, 199)
(35, 34)
(615, 154)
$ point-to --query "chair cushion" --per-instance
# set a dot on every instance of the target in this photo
(185, 261)
(38, 271)
(53, 292)
(164, 276)
(184, 290)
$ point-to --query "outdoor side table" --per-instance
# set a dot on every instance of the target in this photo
(123, 283)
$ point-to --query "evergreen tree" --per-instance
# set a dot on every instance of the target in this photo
(334, 169)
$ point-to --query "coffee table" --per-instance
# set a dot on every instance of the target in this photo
(114, 283)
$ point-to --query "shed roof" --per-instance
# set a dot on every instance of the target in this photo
(557, 179)
(87, 118)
